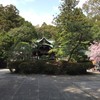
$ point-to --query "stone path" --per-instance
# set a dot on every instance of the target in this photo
(48, 87)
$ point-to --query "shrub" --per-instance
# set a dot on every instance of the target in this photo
(14, 65)
(50, 67)
(78, 68)
(3, 63)
(25, 68)
(45, 66)
(63, 66)
(39, 66)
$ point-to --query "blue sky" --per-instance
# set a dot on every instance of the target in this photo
(37, 11)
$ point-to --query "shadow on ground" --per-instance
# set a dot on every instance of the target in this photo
(49, 87)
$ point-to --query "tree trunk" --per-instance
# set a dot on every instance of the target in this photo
(72, 51)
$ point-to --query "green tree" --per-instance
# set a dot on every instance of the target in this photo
(20, 51)
(92, 9)
(24, 33)
(48, 31)
(74, 30)
(9, 18)
(13, 29)
(95, 30)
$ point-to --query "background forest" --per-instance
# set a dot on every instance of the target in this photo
(73, 30)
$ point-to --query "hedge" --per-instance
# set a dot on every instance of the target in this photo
(50, 67)
(78, 68)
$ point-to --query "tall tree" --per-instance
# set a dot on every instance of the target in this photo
(13, 29)
(9, 17)
(25, 33)
(48, 31)
(95, 30)
(73, 30)
(92, 9)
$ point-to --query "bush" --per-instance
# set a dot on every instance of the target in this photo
(50, 67)
(14, 65)
(78, 68)
(39, 66)
(45, 67)
(3, 63)
(25, 68)
(63, 66)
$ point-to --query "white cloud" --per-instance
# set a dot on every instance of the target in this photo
(7, 2)
(56, 9)
(14, 2)
(28, 0)
(30, 15)
(61, 1)
(81, 3)
(35, 18)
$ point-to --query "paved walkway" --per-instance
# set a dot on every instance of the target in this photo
(48, 87)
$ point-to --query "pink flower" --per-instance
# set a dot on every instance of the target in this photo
(94, 51)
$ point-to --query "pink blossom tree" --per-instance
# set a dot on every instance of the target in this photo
(94, 52)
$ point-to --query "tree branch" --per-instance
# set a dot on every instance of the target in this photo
(72, 51)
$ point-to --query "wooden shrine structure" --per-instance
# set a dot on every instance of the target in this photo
(43, 46)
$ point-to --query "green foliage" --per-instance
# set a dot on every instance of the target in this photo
(6, 42)
(52, 67)
(23, 33)
(78, 68)
(74, 31)
(20, 51)
(49, 67)
(14, 65)
(72, 34)
(13, 29)
(9, 18)
(3, 63)
(48, 31)
(38, 66)
(92, 9)
(25, 68)
(10, 41)
(95, 30)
